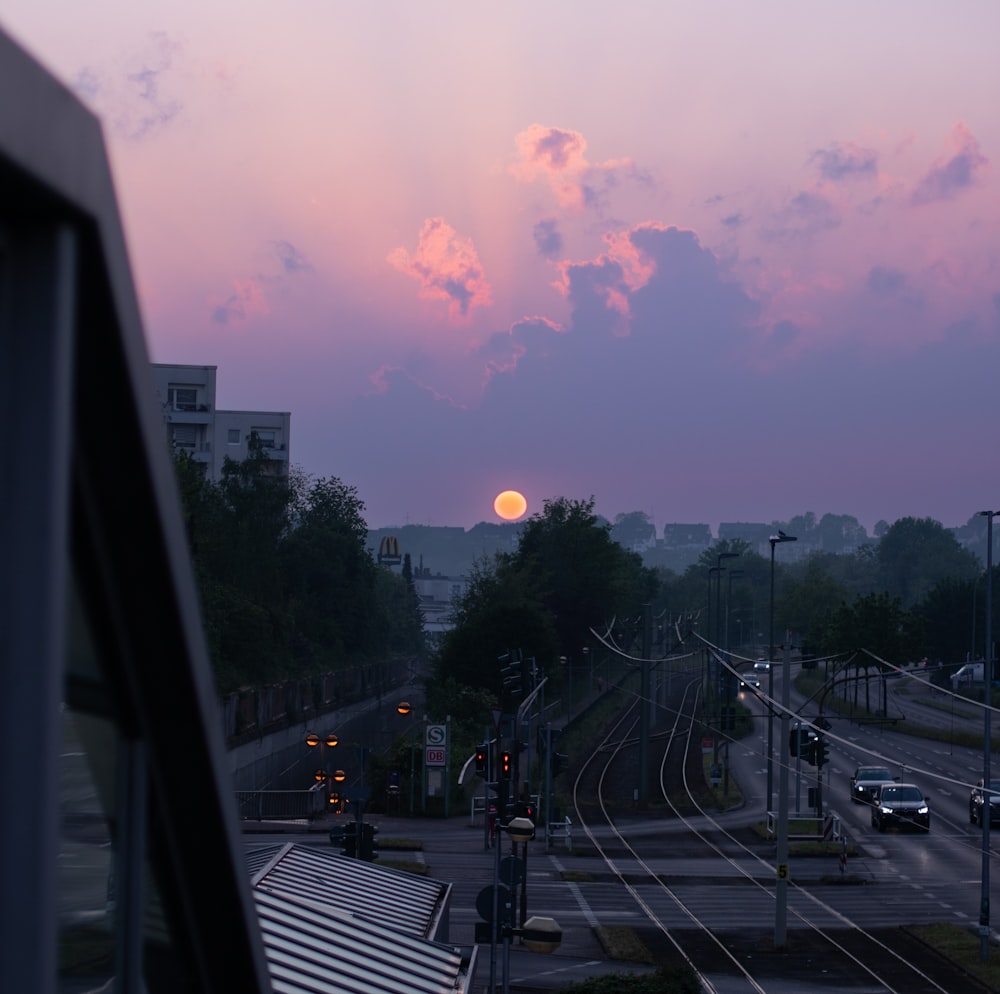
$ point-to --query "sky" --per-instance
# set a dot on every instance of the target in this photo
(713, 262)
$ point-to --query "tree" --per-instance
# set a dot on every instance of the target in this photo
(566, 576)
(500, 610)
(582, 575)
(877, 623)
(915, 553)
(951, 615)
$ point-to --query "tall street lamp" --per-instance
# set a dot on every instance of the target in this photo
(988, 676)
(774, 540)
(718, 591)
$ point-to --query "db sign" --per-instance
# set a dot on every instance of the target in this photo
(436, 745)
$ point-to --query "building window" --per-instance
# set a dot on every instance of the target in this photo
(185, 436)
(233, 436)
(182, 398)
(266, 437)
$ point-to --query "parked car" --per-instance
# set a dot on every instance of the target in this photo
(976, 803)
(968, 674)
(866, 780)
(902, 805)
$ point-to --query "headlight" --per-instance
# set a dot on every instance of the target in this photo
(885, 810)
(922, 810)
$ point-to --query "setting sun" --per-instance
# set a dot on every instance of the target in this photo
(510, 505)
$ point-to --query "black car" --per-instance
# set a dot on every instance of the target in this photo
(902, 805)
(976, 804)
(866, 780)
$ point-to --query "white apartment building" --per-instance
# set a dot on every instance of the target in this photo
(187, 399)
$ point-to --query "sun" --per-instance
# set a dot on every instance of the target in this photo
(510, 505)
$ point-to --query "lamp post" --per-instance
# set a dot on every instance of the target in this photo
(781, 884)
(323, 774)
(774, 540)
(988, 675)
(718, 591)
(728, 695)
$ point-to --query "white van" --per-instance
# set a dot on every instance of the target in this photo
(969, 673)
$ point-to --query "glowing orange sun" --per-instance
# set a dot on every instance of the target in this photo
(510, 505)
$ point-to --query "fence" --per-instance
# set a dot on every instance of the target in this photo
(281, 805)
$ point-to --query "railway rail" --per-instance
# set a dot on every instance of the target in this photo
(864, 959)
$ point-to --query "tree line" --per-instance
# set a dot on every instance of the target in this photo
(288, 586)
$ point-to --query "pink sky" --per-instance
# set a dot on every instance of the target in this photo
(727, 262)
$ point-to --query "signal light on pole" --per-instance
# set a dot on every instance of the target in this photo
(505, 767)
(482, 763)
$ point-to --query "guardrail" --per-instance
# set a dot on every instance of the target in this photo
(807, 828)
(281, 805)
(560, 830)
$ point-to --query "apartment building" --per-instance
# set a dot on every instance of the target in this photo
(194, 424)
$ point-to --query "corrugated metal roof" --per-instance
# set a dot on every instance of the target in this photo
(394, 898)
(334, 925)
(313, 949)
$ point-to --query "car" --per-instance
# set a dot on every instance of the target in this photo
(865, 780)
(762, 666)
(900, 805)
(749, 680)
(976, 804)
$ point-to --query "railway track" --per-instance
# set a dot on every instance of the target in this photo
(864, 960)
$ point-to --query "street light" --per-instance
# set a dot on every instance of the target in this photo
(328, 741)
(781, 884)
(774, 540)
(988, 675)
(718, 589)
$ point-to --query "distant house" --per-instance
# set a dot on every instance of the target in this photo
(687, 536)
(438, 594)
(754, 534)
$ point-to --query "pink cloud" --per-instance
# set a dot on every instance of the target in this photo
(615, 274)
(247, 300)
(557, 157)
(951, 175)
(447, 268)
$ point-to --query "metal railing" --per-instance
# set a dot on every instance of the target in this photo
(281, 805)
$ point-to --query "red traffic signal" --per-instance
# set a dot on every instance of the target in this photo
(505, 767)
(482, 761)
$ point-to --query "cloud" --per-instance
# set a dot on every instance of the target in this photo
(845, 160)
(447, 268)
(548, 240)
(803, 216)
(291, 258)
(952, 175)
(503, 350)
(134, 96)
(557, 157)
(247, 299)
(885, 281)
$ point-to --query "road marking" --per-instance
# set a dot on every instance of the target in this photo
(574, 889)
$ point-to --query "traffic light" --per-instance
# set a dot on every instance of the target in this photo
(482, 761)
(369, 844)
(559, 763)
(819, 752)
(797, 740)
(807, 750)
(345, 837)
(505, 766)
(525, 809)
